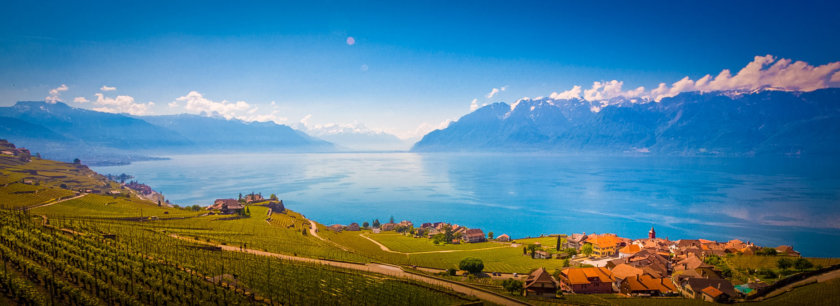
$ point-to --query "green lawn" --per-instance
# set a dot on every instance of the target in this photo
(401, 243)
(507, 259)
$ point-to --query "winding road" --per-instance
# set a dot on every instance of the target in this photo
(58, 201)
(384, 269)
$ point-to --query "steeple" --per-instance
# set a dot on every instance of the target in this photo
(652, 233)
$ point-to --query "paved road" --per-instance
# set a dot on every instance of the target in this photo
(56, 202)
(384, 269)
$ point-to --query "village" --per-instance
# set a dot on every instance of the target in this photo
(607, 263)
(593, 263)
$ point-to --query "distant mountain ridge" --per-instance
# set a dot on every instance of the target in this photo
(718, 123)
(63, 132)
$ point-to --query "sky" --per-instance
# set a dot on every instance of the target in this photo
(400, 67)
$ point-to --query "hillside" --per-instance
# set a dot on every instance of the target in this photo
(718, 123)
(61, 132)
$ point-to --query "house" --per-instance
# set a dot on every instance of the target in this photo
(786, 250)
(388, 226)
(604, 245)
(575, 241)
(226, 206)
(336, 228)
(426, 225)
(647, 285)
(474, 235)
(697, 288)
(712, 294)
(503, 238)
(540, 254)
(629, 250)
(695, 267)
(251, 198)
(586, 280)
(376, 230)
(541, 283)
(353, 227)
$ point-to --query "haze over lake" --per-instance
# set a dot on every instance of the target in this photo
(766, 201)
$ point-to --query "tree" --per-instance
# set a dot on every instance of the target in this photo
(448, 234)
(392, 220)
(802, 264)
(784, 263)
(533, 249)
(586, 249)
(240, 196)
(247, 211)
(376, 223)
(77, 161)
(273, 197)
(472, 265)
(490, 236)
(365, 224)
(514, 286)
(159, 204)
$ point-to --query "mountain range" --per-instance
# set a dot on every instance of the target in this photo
(693, 123)
(61, 132)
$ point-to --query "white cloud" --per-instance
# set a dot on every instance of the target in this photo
(121, 104)
(107, 88)
(55, 93)
(351, 41)
(573, 93)
(196, 103)
(474, 105)
(762, 72)
(81, 100)
(495, 91)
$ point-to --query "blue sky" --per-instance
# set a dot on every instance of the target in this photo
(411, 67)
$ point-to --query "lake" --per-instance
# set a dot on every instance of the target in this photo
(769, 201)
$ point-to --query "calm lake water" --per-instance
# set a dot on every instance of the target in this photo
(767, 201)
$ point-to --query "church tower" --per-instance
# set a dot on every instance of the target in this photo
(652, 233)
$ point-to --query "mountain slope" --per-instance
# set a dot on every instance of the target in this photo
(219, 134)
(720, 123)
(61, 132)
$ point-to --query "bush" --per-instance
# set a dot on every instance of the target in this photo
(472, 265)
(802, 264)
(514, 286)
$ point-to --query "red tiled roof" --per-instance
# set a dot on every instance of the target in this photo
(712, 291)
(577, 276)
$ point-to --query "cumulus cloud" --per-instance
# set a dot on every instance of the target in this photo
(81, 100)
(495, 91)
(474, 105)
(55, 94)
(573, 93)
(121, 104)
(196, 103)
(763, 72)
(107, 88)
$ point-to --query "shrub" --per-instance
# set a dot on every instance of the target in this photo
(472, 265)
(514, 286)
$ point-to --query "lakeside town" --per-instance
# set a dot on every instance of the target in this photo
(554, 268)
(594, 263)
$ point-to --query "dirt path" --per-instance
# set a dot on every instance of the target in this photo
(56, 202)
(816, 278)
(386, 249)
(377, 268)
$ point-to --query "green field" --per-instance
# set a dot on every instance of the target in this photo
(406, 244)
